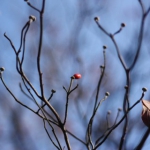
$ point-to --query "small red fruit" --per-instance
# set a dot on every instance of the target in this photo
(77, 76)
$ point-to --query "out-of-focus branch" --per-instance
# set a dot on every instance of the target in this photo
(52, 92)
(126, 99)
(101, 77)
(140, 38)
(106, 136)
(89, 128)
(59, 148)
(109, 128)
(33, 7)
(20, 71)
(141, 143)
(17, 99)
(76, 137)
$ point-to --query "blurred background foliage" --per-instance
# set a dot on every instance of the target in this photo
(72, 43)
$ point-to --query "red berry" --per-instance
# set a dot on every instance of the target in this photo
(77, 76)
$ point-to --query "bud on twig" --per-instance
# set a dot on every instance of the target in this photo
(96, 19)
(123, 25)
(144, 89)
(104, 47)
(32, 18)
(2, 69)
(53, 91)
(107, 93)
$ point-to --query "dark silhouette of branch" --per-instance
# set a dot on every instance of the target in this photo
(143, 139)
(100, 143)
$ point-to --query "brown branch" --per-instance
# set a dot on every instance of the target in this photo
(40, 49)
(114, 127)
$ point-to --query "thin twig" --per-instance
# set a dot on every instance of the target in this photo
(33, 7)
(45, 103)
(21, 102)
(76, 137)
(20, 71)
(144, 138)
(100, 80)
(24, 39)
(106, 136)
(45, 117)
(140, 38)
(40, 49)
(67, 99)
(24, 92)
(21, 38)
(49, 135)
(89, 128)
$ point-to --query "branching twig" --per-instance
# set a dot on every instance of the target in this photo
(21, 102)
(89, 128)
(144, 138)
(67, 97)
(118, 122)
(52, 92)
(59, 148)
(76, 137)
(32, 6)
(24, 92)
(100, 78)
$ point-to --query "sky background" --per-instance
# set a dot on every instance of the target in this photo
(72, 42)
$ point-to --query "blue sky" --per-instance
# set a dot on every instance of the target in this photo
(72, 43)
